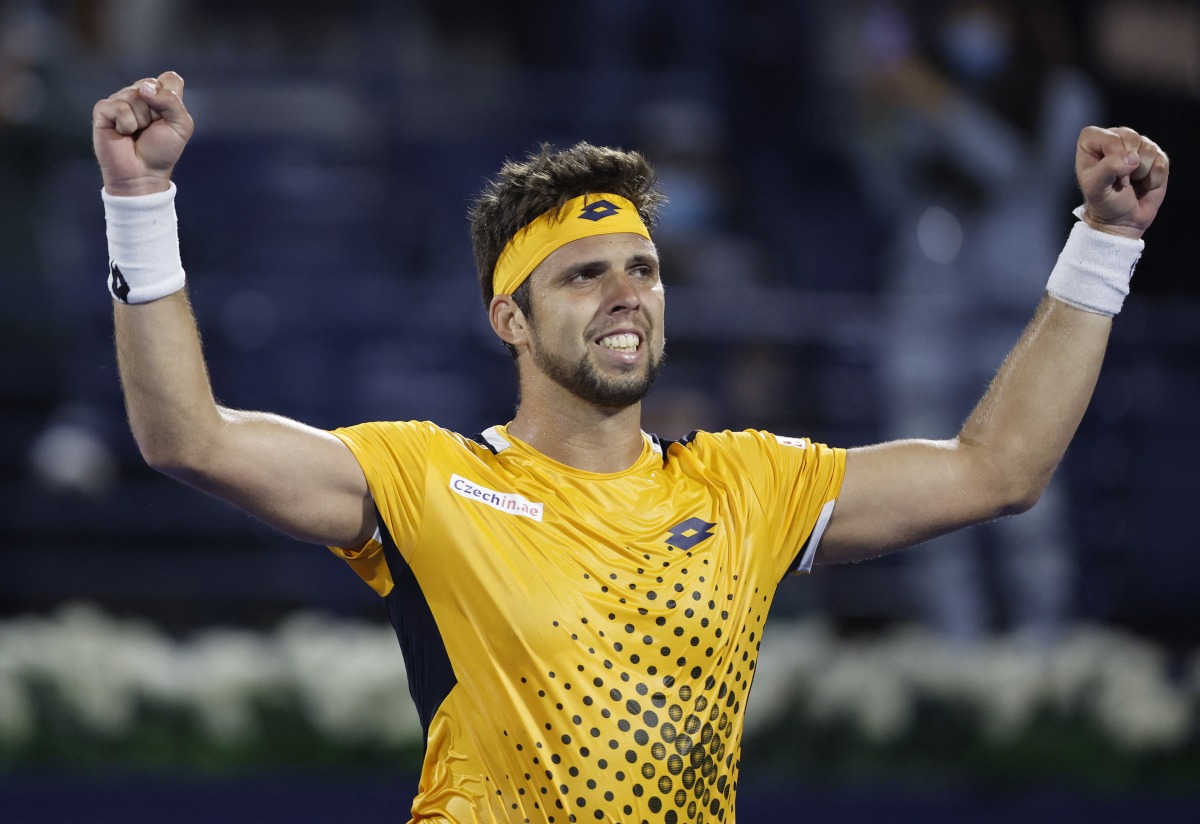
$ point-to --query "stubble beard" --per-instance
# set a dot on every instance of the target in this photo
(582, 379)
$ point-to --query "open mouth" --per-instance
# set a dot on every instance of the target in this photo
(624, 342)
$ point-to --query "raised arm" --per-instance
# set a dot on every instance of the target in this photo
(901, 493)
(300, 480)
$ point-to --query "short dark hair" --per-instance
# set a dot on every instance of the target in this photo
(546, 179)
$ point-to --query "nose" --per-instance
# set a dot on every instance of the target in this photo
(621, 292)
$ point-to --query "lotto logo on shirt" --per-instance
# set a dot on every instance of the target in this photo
(507, 502)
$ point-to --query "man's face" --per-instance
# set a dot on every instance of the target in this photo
(597, 321)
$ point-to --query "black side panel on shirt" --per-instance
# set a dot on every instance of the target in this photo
(430, 676)
(796, 561)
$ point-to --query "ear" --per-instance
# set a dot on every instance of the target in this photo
(508, 321)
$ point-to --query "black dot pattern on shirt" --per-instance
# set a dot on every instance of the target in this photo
(656, 717)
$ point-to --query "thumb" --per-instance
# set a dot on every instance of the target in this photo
(164, 96)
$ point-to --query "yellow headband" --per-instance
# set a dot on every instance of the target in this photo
(584, 216)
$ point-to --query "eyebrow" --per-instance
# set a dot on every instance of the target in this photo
(591, 265)
(638, 259)
(643, 259)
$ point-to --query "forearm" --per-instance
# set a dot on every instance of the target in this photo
(904, 492)
(1020, 430)
(168, 396)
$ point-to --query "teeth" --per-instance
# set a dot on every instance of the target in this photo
(625, 342)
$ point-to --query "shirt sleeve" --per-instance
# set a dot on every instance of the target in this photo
(808, 498)
(794, 484)
(393, 456)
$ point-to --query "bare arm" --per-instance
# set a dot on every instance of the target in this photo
(901, 493)
(300, 480)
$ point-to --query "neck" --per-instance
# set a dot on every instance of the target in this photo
(578, 434)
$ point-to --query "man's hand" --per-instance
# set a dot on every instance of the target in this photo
(1123, 176)
(139, 134)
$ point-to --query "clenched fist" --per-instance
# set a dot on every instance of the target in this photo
(139, 133)
(1123, 176)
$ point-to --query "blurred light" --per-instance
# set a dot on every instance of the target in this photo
(71, 457)
(939, 235)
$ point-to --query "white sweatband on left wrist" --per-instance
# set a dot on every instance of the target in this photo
(143, 246)
(1094, 269)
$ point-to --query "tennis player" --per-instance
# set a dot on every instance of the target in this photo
(580, 604)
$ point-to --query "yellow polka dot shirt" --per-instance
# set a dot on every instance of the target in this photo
(580, 646)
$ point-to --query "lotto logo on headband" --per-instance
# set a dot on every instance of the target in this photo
(598, 210)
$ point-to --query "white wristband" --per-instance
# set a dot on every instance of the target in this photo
(1094, 269)
(143, 246)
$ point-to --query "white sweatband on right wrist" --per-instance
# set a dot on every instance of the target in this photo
(143, 246)
(1094, 270)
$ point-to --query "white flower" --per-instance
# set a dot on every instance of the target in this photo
(1010, 687)
(223, 676)
(1124, 681)
(16, 710)
(350, 679)
(86, 659)
(858, 684)
(791, 654)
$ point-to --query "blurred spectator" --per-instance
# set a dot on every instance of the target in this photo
(686, 141)
(42, 140)
(1155, 43)
(626, 53)
(787, 166)
(969, 115)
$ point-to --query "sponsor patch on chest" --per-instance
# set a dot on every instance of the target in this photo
(507, 502)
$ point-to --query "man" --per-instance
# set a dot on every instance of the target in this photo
(580, 604)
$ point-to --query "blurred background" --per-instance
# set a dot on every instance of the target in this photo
(865, 200)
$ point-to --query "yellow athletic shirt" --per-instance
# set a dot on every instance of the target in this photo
(580, 645)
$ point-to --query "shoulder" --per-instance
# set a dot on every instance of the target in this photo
(729, 441)
(405, 435)
(753, 452)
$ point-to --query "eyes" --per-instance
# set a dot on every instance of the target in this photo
(591, 273)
